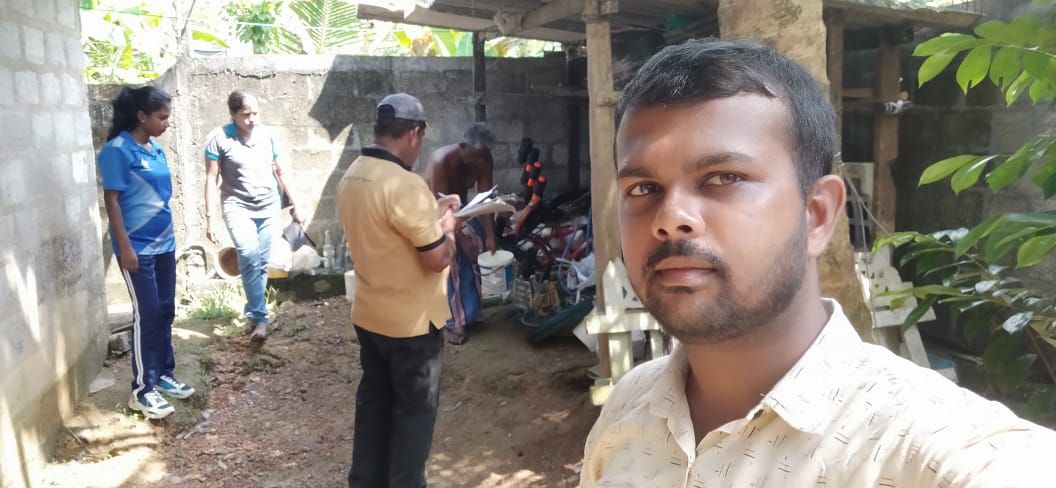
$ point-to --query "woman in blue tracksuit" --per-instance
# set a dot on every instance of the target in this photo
(136, 190)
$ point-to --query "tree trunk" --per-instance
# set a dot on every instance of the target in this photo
(796, 28)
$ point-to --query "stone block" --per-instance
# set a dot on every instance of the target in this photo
(75, 57)
(50, 89)
(1010, 129)
(13, 185)
(55, 48)
(67, 14)
(7, 87)
(968, 130)
(82, 167)
(72, 90)
(10, 45)
(43, 129)
(33, 45)
(83, 129)
(66, 131)
(18, 134)
(120, 343)
(45, 9)
(26, 90)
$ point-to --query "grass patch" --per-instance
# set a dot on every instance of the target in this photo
(502, 384)
(216, 302)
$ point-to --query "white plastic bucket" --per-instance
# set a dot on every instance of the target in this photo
(496, 274)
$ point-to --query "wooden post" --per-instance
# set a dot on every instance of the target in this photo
(573, 110)
(478, 77)
(834, 26)
(602, 121)
(885, 134)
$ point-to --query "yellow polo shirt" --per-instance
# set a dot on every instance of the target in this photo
(389, 217)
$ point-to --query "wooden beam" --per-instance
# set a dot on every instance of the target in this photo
(512, 22)
(479, 85)
(432, 18)
(885, 135)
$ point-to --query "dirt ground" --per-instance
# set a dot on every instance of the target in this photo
(511, 415)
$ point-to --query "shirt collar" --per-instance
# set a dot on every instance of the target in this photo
(377, 152)
(135, 144)
(803, 398)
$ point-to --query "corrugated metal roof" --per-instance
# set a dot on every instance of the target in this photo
(696, 17)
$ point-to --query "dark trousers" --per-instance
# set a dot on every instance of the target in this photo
(395, 409)
(153, 291)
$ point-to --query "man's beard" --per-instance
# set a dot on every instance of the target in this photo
(736, 311)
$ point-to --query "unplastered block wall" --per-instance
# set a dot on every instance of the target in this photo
(52, 330)
(321, 111)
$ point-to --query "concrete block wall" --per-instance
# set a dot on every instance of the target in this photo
(321, 111)
(945, 122)
(53, 326)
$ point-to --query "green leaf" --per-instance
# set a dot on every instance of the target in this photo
(944, 168)
(1046, 218)
(1013, 168)
(1036, 64)
(948, 42)
(1005, 66)
(1014, 374)
(995, 30)
(1041, 403)
(207, 37)
(1017, 322)
(934, 65)
(1035, 250)
(918, 252)
(918, 312)
(1040, 90)
(1026, 25)
(1017, 87)
(985, 286)
(1000, 351)
(1048, 187)
(968, 175)
(896, 239)
(975, 323)
(973, 67)
(981, 230)
(1005, 238)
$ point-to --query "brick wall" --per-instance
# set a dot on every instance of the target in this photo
(53, 327)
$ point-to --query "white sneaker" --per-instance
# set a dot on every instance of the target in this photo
(151, 404)
(173, 387)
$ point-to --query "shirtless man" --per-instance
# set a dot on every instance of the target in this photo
(453, 170)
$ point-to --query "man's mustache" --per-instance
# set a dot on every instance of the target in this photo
(687, 249)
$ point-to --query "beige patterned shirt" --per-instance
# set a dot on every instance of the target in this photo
(848, 414)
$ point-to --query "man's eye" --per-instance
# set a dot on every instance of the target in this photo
(722, 179)
(641, 189)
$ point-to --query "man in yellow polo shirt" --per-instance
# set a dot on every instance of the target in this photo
(401, 239)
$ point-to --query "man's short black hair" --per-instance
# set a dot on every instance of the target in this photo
(707, 69)
(395, 128)
(479, 136)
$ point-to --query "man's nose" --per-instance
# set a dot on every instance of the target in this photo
(678, 216)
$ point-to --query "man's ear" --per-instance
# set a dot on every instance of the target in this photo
(824, 208)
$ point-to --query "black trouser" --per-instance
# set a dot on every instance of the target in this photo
(395, 409)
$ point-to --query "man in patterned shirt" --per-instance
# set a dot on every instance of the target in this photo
(726, 200)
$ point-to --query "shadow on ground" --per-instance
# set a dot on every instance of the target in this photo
(512, 415)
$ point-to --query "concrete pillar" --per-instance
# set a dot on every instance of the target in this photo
(796, 28)
(53, 326)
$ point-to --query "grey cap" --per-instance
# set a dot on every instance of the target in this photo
(401, 106)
